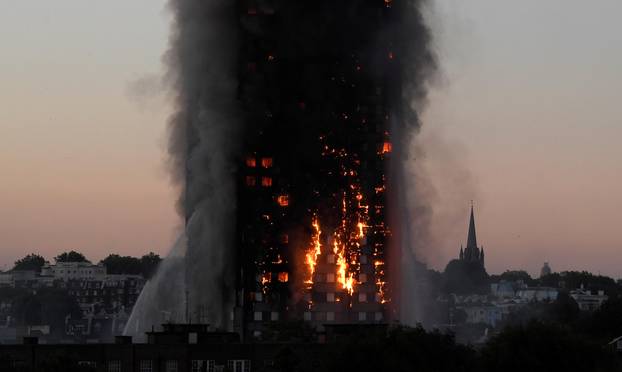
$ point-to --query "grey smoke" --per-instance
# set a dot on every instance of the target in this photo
(201, 70)
(413, 209)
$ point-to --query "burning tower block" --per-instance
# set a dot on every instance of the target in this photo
(320, 86)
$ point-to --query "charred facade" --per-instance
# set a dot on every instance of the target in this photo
(320, 90)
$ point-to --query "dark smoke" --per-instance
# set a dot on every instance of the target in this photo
(209, 127)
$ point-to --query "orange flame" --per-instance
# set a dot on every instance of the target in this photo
(315, 251)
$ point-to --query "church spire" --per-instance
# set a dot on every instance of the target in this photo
(472, 239)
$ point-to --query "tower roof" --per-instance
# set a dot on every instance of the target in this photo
(472, 238)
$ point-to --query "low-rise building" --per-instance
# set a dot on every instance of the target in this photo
(587, 300)
(74, 271)
(538, 294)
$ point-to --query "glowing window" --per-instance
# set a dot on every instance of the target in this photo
(387, 147)
(266, 278)
(251, 181)
(283, 200)
(330, 258)
(266, 162)
(266, 181)
(283, 277)
(251, 162)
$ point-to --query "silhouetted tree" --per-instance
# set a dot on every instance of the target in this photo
(71, 256)
(30, 262)
(575, 279)
(116, 264)
(514, 276)
(149, 264)
(539, 347)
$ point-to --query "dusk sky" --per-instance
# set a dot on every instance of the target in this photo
(524, 118)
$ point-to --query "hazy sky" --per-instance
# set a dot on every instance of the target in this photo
(525, 119)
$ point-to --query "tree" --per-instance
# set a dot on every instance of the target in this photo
(71, 256)
(575, 279)
(545, 347)
(30, 262)
(116, 264)
(149, 264)
(515, 276)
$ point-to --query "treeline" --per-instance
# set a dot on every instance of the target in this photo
(534, 347)
(115, 264)
(460, 277)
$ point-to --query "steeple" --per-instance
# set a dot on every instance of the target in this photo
(472, 239)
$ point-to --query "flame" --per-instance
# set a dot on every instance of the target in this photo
(315, 251)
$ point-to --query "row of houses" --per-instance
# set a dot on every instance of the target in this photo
(507, 297)
(105, 302)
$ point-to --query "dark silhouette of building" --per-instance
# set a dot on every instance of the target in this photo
(312, 225)
(472, 253)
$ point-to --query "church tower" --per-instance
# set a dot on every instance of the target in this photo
(472, 253)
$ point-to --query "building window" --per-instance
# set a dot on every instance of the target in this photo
(283, 200)
(266, 181)
(387, 147)
(171, 366)
(362, 278)
(193, 338)
(266, 162)
(362, 297)
(251, 181)
(284, 238)
(258, 316)
(307, 316)
(239, 365)
(114, 366)
(362, 316)
(330, 297)
(330, 258)
(251, 162)
(146, 366)
(378, 316)
(283, 277)
(363, 259)
(330, 316)
(330, 278)
(203, 366)
(274, 316)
